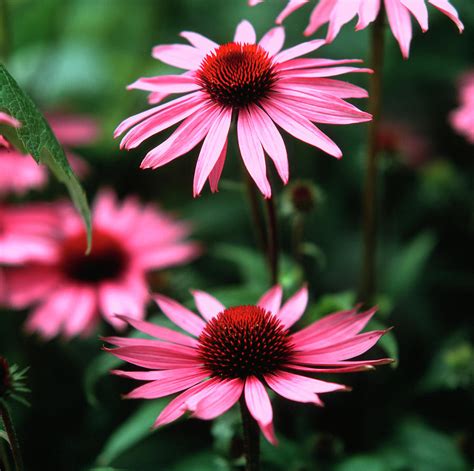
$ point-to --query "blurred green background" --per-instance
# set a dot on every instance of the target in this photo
(78, 56)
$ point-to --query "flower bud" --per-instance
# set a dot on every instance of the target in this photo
(304, 196)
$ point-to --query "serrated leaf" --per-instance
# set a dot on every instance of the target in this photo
(132, 431)
(35, 137)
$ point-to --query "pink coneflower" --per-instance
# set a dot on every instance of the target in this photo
(27, 233)
(20, 173)
(242, 350)
(339, 12)
(129, 240)
(462, 118)
(259, 86)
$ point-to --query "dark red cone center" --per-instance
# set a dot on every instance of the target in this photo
(237, 74)
(244, 341)
(108, 259)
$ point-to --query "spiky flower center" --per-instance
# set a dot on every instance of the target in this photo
(108, 259)
(237, 74)
(244, 341)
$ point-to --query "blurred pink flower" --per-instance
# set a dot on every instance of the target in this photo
(20, 173)
(27, 233)
(339, 12)
(242, 350)
(9, 121)
(129, 239)
(255, 84)
(462, 118)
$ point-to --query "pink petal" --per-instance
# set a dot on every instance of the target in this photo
(252, 152)
(199, 41)
(84, 309)
(162, 120)
(245, 33)
(309, 384)
(187, 136)
(341, 366)
(271, 300)
(114, 299)
(299, 50)
(168, 255)
(292, 6)
(179, 55)
(368, 11)
(158, 356)
(342, 13)
(294, 308)
(319, 16)
(176, 408)
(154, 375)
(323, 72)
(273, 41)
(418, 10)
(312, 63)
(400, 24)
(9, 120)
(211, 149)
(129, 122)
(216, 172)
(181, 316)
(301, 128)
(350, 348)
(291, 390)
(207, 305)
(332, 87)
(170, 382)
(271, 140)
(258, 403)
(166, 84)
(223, 397)
(160, 332)
(445, 7)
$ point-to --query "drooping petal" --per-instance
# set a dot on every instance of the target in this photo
(216, 172)
(179, 55)
(166, 84)
(368, 11)
(252, 152)
(199, 41)
(342, 13)
(223, 397)
(333, 87)
(299, 50)
(291, 7)
(301, 128)
(294, 308)
(245, 33)
(312, 63)
(259, 405)
(211, 149)
(271, 140)
(419, 11)
(181, 316)
(320, 15)
(400, 24)
(271, 300)
(83, 310)
(159, 332)
(290, 390)
(445, 7)
(154, 375)
(207, 305)
(273, 41)
(309, 384)
(169, 382)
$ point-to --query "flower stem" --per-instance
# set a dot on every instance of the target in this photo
(4, 461)
(15, 446)
(251, 438)
(272, 244)
(367, 288)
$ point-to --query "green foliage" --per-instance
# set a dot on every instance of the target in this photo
(35, 137)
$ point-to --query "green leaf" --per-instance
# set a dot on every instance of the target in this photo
(362, 463)
(132, 431)
(36, 138)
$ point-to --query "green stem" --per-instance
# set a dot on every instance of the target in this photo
(15, 446)
(251, 438)
(369, 262)
(297, 233)
(272, 240)
(4, 460)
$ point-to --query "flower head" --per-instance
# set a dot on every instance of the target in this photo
(339, 12)
(12, 381)
(259, 86)
(71, 288)
(242, 350)
(462, 118)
